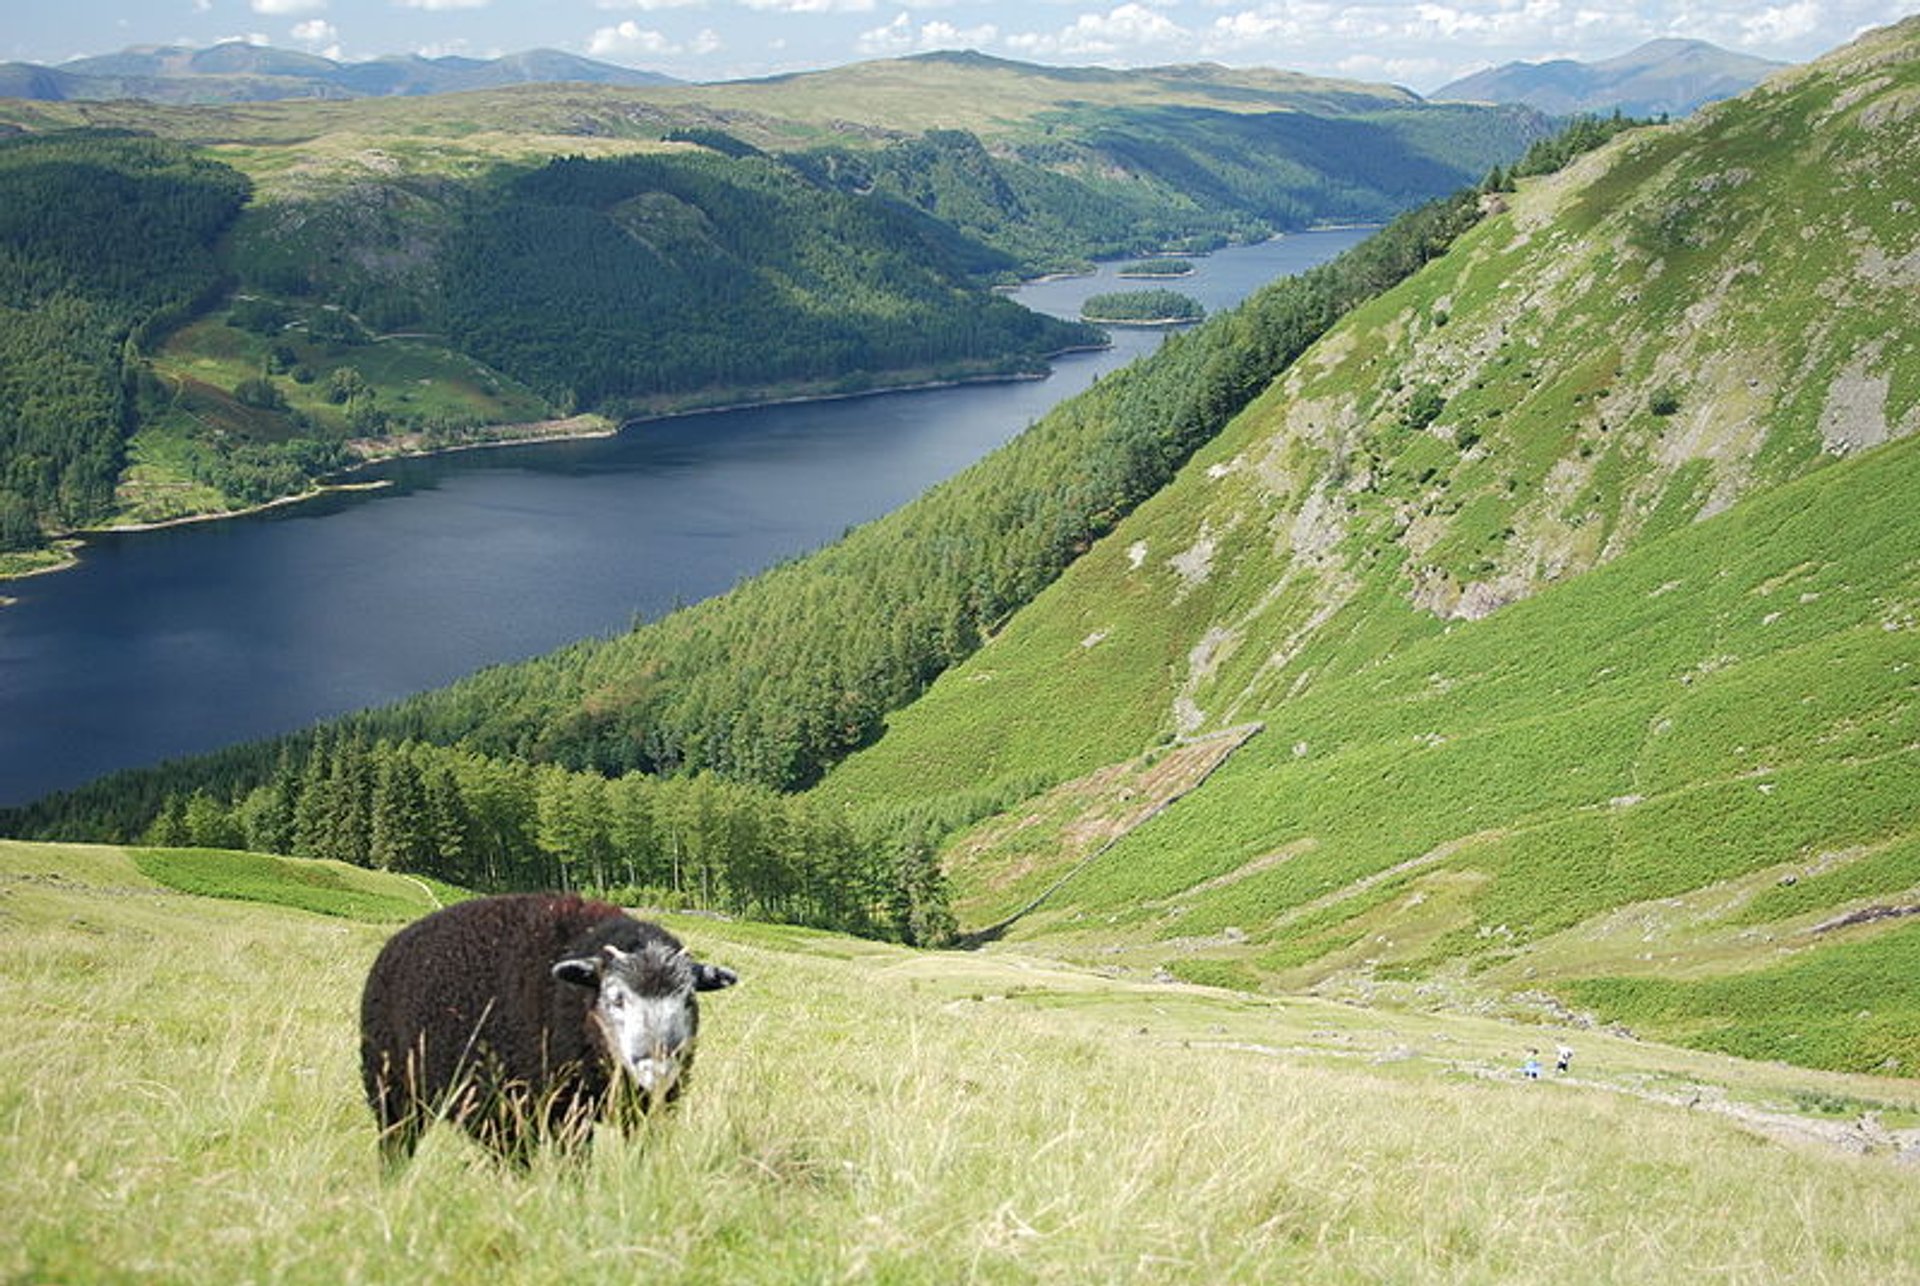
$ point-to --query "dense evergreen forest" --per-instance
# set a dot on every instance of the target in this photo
(494, 824)
(603, 283)
(106, 241)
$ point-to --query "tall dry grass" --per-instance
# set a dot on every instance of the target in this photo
(179, 1102)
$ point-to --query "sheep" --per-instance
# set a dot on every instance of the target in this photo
(526, 1018)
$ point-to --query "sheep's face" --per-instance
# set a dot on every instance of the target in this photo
(645, 1009)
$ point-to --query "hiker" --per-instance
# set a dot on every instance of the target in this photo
(1531, 1068)
(1564, 1058)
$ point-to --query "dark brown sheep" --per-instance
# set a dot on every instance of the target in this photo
(526, 1018)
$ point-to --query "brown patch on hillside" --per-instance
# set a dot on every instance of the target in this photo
(1018, 858)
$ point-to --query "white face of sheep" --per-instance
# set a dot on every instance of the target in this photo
(645, 1009)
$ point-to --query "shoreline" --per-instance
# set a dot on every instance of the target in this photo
(189, 520)
(802, 399)
(369, 449)
(592, 425)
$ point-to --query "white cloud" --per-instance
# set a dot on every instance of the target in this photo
(1268, 24)
(901, 37)
(630, 40)
(438, 5)
(315, 31)
(1127, 26)
(810, 6)
(284, 8)
(1782, 24)
(1397, 71)
(649, 5)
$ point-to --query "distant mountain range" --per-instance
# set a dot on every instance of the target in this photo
(1671, 77)
(239, 72)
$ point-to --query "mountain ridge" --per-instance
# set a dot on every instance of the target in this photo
(239, 71)
(1667, 77)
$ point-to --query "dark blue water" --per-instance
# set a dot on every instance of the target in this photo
(169, 643)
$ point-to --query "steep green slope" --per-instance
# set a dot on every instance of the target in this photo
(1689, 316)
(1734, 707)
(1454, 774)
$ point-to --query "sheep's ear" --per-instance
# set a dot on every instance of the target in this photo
(708, 977)
(583, 971)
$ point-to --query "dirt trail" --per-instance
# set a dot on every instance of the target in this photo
(1861, 1135)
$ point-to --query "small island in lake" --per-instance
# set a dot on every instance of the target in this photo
(1157, 268)
(1142, 308)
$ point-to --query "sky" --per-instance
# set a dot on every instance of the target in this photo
(1420, 45)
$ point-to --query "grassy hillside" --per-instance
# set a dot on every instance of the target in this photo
(181, 1103)
(1461, 786)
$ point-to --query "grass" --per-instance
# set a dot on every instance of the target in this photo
(32, 562)
(325, 888)
(179, 1101)
(415, 375)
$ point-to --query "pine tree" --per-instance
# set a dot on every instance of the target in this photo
(401, 836)
(448, 824)
(313, 811)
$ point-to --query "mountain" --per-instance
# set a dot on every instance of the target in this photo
(1544, 632)
(1660, 78)
(237, 71)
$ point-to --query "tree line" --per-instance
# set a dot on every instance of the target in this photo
(699, 841)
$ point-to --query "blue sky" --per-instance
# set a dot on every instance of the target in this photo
(1420, 45)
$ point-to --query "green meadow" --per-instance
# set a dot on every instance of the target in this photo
(179, 1101)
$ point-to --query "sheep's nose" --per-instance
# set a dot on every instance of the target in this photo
(655, 1071)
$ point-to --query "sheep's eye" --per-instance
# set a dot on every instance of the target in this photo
(616, 1000)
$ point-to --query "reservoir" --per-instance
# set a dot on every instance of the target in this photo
(174, 642)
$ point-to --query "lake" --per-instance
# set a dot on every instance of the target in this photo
(170, 643)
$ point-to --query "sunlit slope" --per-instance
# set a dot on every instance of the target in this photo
(182, 1103)
(1736, 707)
(1690, 316)
(1659, 384)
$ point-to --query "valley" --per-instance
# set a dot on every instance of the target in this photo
(1410, 778)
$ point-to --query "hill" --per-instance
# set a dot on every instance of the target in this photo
(1564, 604)
(1660, 78)
(807, 237)
(183, 1102)
(240, 72)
